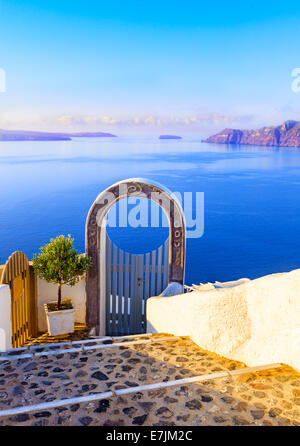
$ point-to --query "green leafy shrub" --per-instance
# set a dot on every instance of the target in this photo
(58, 262)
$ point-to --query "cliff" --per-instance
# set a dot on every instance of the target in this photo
(286, 135)
(25, 135)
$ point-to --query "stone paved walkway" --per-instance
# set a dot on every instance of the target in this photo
(262, 398)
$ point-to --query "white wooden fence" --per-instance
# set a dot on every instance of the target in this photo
(130, 280)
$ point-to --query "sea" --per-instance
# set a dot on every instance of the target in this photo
(251, 217)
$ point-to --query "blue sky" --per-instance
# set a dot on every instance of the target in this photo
(139, 66)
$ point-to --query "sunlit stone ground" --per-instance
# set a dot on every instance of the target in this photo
(264, 398)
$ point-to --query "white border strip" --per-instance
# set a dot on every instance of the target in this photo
(83, 349)
(100, 396)
(84, 341)
(193, 379)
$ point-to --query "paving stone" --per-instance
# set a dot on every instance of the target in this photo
(18, 390)
(139, 420)
(80, 374)
(30, 366)
(181, 359)
(85, 421)
(38, 392)
(74, 407)
(110, 384)
(146, 405)
(63, 419)
(182, 417)
(43, 414)
(100, 376)
(220, 419)
(257, 414)
(164, 423)
(130, 411)
(206, 398)
(103, 405)
(127, 368)
(170, 400)
(274, 412)
(193, 405)
(240, 406)
(240, 421)
(131, 384)
(164, 412)
(21, 417)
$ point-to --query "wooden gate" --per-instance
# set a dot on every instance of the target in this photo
(130, 280)
(18, 274)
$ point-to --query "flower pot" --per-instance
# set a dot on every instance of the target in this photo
(60, 322)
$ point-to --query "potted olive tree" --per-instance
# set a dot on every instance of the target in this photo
(58, 262)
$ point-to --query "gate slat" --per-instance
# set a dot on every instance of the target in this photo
(153, 272)
(108, 285)
(22, 303)
(114, 289)
(120, 294)
(132, 292)
(23, 306)
(166, 264)
(146, 288)
(23, 298)
(20, 265)
(18, 323)
(139, 293)
(159, 269)
(126, 293)
(26, 307)
(147, 275)
(27, 315)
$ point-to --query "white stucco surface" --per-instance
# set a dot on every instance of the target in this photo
(47, 292)
(5, 321)
(257, 322)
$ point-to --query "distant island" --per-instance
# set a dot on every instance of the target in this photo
(27, 135)
(285, 135)
(170, 137)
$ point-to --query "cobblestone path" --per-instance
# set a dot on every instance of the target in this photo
(269, 397)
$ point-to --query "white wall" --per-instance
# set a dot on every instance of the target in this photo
(47, 292)
(5, 322)
(257, 322)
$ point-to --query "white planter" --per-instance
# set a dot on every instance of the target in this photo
(60, 322)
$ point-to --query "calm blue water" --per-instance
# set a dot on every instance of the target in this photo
(252, 198)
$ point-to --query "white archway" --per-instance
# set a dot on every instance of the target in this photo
(95, 240)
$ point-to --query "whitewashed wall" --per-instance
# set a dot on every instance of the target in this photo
(5, 319)
(47, 292)
(257, 322)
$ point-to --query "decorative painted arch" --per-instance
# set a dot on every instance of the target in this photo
(95, 240)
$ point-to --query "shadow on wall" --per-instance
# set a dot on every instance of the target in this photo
(5, 318)
(2, 339)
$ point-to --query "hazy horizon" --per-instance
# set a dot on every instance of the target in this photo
(132, 68)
